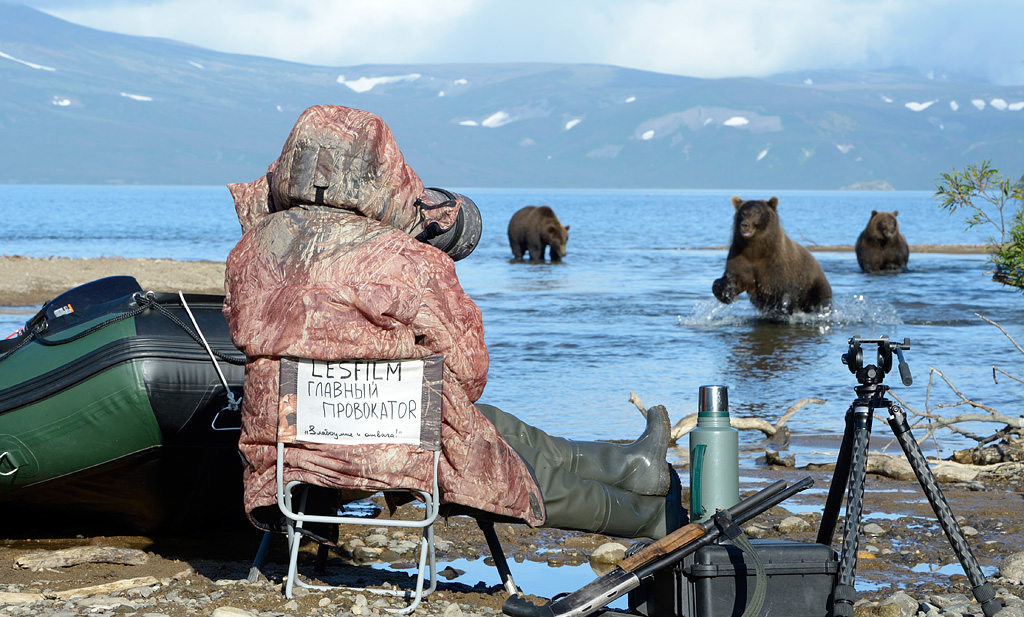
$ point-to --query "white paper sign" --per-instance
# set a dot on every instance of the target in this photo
(354, 402)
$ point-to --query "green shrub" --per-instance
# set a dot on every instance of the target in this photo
(990, 199)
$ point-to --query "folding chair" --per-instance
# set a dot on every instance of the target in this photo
(316, 409)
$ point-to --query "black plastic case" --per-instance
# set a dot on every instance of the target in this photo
(717, 581)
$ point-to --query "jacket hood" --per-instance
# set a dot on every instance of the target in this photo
(345, 158)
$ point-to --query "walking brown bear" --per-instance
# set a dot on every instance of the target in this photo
(780, 276)
(881, 247)
(533, 229)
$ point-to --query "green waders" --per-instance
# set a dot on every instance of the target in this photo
(622, 490)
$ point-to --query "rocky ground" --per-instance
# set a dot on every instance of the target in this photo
(904, 558)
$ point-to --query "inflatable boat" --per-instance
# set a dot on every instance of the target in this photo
(121, 406)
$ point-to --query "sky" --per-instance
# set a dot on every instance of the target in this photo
(980, 39)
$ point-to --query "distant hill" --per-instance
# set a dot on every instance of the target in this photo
(79, 105)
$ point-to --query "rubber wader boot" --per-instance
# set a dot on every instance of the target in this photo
(588, 505)
(574, 502)
(637, 467)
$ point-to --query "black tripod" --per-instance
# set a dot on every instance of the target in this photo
(851, 467)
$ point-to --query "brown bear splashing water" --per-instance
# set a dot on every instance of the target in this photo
(780, 276)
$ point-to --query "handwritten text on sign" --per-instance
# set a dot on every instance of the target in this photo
(354, 402)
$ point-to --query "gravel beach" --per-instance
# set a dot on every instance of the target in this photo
(905, 563)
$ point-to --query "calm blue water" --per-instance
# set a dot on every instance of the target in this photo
(631, 307)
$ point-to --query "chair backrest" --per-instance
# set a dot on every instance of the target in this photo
(361, 401)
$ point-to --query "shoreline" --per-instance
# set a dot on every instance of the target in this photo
(950, 249)
(32, 281)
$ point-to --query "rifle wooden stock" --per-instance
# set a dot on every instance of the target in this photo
(665, 546)
(694, 531)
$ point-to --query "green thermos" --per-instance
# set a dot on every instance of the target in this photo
(714, 456)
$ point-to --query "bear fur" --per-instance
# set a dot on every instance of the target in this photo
(534, 228)
(881, 247)
(780, 276)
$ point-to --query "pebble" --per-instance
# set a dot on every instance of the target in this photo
(792, 524)
(907, 605)
(1012, 569)
(873, 530)
(755, 530)
(609, 552)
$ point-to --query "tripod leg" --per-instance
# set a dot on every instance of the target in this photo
(845, 594)
(837, 488)
(499, 556)
(981, 588)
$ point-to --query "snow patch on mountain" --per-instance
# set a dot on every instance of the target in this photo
(31, 65)
(365, 84)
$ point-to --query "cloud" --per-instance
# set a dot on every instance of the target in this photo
(320, 32)
(757, 38)
(687, 37)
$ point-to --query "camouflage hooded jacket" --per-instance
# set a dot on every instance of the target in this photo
(328, 268)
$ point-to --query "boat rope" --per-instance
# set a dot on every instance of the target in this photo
(143, 301)
(232, 401)
(36, 333)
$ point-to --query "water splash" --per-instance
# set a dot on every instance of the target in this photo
(846, 310)
(714, 313)
(859, 309)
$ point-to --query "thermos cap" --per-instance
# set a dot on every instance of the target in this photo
(713, 399)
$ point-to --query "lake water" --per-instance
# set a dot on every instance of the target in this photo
(631, 307)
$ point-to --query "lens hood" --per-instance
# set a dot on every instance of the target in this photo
(459, 240)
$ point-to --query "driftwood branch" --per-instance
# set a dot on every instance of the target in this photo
(83, 554)
(990, 415)
(688, 423)
(1001, 329)
(633, 398)
(996, 369)
(978, 413)
(106, 588)
(79, 592)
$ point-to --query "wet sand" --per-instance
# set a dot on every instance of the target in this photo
(30, 281)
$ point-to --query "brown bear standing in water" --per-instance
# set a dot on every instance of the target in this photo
(780, 276)
(881, 247)
(534, 228)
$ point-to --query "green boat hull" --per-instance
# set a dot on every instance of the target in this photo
(119, 415)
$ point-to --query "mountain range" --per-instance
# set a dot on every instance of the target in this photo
(84, 106)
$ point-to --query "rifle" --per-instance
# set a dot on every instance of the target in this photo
(664, 553)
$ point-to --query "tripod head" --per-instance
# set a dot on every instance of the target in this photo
(875, 373)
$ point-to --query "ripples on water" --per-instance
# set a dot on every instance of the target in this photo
(631, 308)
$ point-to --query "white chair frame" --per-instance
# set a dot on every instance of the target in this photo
(291, 497)
(294, 510)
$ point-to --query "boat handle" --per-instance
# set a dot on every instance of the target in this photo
(11, 472)
(213, 424)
